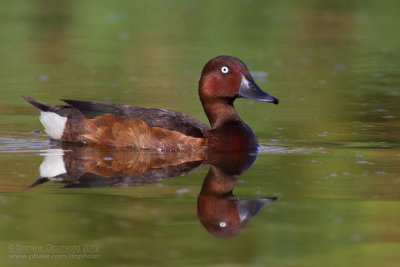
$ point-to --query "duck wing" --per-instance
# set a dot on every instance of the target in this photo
(155, 117)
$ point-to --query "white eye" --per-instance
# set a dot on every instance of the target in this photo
(224, 69)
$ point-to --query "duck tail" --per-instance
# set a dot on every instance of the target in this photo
(51, 117)
(38, 104)
(39, 181)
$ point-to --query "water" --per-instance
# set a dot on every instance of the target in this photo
(330, 151)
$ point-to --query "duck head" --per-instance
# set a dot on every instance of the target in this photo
(227, 78)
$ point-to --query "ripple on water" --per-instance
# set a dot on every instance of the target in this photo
(273, 148)
(17, 143)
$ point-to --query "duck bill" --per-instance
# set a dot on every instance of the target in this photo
(250, 90)
(248, 208)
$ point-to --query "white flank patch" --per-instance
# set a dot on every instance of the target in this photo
(53, 163)
(53, 123)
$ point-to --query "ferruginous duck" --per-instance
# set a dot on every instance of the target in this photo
(223, 79)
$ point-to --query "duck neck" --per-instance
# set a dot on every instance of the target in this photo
(220, 111)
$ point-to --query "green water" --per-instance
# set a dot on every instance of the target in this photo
(330, 148)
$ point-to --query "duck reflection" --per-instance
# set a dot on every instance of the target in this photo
(91, 167)
(218, 209)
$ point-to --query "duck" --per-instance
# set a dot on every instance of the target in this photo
(223, 80)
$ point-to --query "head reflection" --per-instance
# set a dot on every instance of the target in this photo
(219, 210)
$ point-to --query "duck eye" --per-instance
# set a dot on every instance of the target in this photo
(222, 224)
(224, 69)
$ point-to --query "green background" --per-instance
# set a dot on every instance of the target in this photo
(330, 148)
